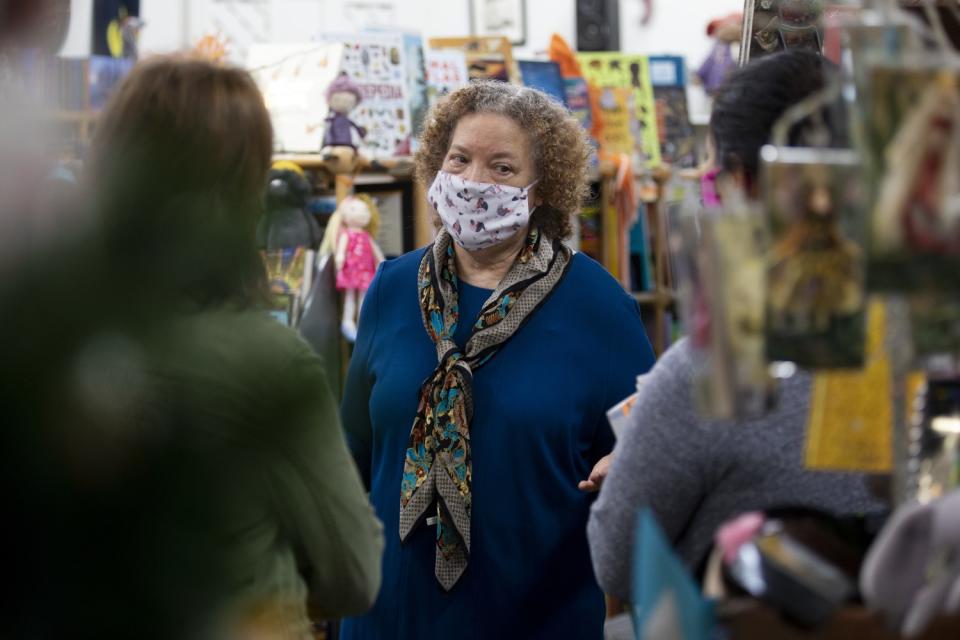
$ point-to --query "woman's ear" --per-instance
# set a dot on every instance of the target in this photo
(534, 198)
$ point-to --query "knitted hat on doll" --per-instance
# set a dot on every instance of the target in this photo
(343, 84)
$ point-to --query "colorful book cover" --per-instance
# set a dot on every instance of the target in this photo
(416, 85)
(640, 253)
(667, 602)
(417, 89)
(488, 57)
(376, 61)
(678, 141)
(105, 73)
(293, 79)
(616, 107)
(591, 230)
(545, 76)
(615, 70)
(578, 100)
(446, 72)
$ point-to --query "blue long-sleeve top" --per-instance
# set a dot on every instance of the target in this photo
(538, 427)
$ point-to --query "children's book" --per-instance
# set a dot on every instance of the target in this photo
(545, 76)
(614, 70)
(678, 141)
(376, 62)
(488, 57)
(446, 72)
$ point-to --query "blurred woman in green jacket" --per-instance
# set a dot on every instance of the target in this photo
(261, 485)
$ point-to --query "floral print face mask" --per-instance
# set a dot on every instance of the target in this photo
(478, 214)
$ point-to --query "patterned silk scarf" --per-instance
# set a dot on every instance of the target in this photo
(437, 466)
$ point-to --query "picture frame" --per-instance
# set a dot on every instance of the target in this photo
(395, 202)
(506, 18)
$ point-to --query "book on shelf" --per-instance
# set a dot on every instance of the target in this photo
(488, 57)
(621, 71)
(545, 76)
(590, 221)
(105, 73)
(376, 62)
(415, 59)
(641, 254)
(678, 140)
(446, 72)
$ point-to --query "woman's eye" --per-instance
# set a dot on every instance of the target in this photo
(504, 169)
(457, 159)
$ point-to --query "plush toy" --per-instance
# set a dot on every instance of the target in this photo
(343, 96)
(286, 222)
(350, 237)
(720, 63)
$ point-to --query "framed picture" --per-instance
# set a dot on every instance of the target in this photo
(395, 203)
(506, 18)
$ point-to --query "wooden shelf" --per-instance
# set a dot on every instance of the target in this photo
(665, 298)
(400, 167)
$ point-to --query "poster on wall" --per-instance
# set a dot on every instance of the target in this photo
(115, 27)
(499, 18)
(293, 79)
(376, 62)
(618, 70)
(446, 72)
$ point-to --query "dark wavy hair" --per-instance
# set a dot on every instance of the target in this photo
(560, 149)
(752, 100)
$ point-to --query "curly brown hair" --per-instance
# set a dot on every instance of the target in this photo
(560, 149)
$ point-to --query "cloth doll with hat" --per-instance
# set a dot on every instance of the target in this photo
(343, 96)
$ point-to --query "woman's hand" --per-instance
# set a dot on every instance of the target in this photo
(598, 475)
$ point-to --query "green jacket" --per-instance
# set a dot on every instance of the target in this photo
(256, 425)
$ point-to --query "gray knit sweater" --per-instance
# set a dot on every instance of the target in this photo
(696, 474)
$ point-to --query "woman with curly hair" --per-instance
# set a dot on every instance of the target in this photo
(482, 371)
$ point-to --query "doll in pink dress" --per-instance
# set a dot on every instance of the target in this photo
(356, 257)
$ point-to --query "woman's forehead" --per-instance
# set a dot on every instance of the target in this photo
(490, 132)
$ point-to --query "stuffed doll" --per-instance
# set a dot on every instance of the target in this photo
(350, 237)
(720, 63)
(286, 222)
(343, 96)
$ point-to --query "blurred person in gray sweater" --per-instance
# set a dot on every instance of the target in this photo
(694, 473)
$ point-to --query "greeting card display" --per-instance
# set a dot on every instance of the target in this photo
(737, 383)
(815, 300)
(911, 134)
